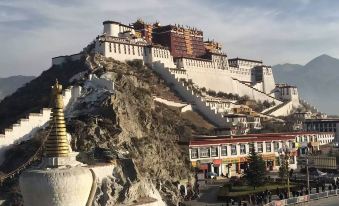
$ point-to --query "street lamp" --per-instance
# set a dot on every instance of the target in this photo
(285, 152)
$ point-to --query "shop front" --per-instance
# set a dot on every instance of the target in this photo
(269, 161)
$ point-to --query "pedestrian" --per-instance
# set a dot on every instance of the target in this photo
(269, 196)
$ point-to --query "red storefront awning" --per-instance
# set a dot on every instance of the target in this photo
(217, 162)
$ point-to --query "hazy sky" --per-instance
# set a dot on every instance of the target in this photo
(295, 31)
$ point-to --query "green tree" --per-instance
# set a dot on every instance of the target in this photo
(256, 171)
(283, 170)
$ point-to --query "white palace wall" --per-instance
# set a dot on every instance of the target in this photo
(120, 51)
(268, 80)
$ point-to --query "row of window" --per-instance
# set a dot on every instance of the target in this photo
(126, 49)
(205, 152)
(313, 138)
(199, 63)
(161, 53)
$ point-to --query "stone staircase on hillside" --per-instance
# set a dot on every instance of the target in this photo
(269, 97)
(211, 114)
(283, 109)
(188, 95)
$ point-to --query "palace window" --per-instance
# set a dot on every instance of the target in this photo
(260, 147)
(138, 48)
(305, 138)
(194, 153)
(276, 146)
(204, 152)
(242, 149)
(214, 151)
(233, 149)
(119, 49)
(110, 47)
(125, 49)
(115, 47)
(133, 50)
(129, 49)
(300, 139)
(224, 150)
(268, 147)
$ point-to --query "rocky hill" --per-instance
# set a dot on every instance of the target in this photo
(128, 122)
(9, 85)
(317, 81)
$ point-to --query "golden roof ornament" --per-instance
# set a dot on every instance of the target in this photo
(57, 144)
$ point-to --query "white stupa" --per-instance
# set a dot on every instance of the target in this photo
(60, 180)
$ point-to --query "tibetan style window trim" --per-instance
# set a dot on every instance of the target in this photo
(204, 152)
(194, 153)
(268, 147)
(233, 149)
(242, 149)
(224, 150)
(214, 151)
(260, 147)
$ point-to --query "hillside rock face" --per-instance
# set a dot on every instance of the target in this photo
(130, 123)
(142, 133)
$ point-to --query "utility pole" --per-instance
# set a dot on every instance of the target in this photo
(288, 175)
(308, 173)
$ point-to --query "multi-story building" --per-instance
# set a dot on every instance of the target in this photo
(321, 125)
(226, 154)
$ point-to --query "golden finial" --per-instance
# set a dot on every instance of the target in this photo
(57, 144)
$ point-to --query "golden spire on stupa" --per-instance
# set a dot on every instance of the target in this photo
(57, 144)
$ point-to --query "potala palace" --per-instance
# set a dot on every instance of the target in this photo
(181, 56)
(199, 73)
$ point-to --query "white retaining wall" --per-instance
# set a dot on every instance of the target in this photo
(184, 107)
(24, 129)
(62, 59)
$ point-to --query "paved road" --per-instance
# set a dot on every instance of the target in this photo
(208, 196)
(331, 201)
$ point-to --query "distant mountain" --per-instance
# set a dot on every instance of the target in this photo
(9, 85)
(317, 81)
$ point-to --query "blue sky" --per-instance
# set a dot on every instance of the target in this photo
(294, 31)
